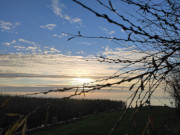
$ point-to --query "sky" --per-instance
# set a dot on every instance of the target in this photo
(36, 56)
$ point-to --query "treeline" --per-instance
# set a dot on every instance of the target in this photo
(50, 110)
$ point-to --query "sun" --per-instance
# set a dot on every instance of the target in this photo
(79, 81)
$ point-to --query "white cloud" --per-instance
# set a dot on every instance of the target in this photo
(104, 29)
(67, 18)
(72, 20)
(13, 41)
(6, 43)
(19, 48)
(5, 25)
(80, 52)
(107, 31)
(123, 53)
(26, 41)
(48, 26)
(8, 26)
(63, 34)
(9, 43)
(112, 32)
(26, 46)
(76, 20)
(68, 53)
(50, 50)
(55, 35)
(57, 8)
(53, 64)
(32, 48)
(55, 50)
(60, 36)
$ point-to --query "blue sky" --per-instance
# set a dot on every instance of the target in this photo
(36, 56)
(43, 22)
(46, 22)
(34, 31)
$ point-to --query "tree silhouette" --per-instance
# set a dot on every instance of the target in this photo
(173, 87)
(153, 33)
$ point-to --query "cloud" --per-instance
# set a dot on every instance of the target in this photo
(49, 26)
(60, 36)
(72, 20)
(68, 53)
(104, 29)
(31, 75)
(9, 43)
(129, 53)
(67, 18)
(26, 41)
(8, 26)
(85, 43)
(55, 35)
(57, 8)
(19, 48)
(107, 31)
(25, 46)
(76, 20)
(32, 48)
(112, 32)
(35, 48)
(51, 50)
(56, 70)
(80, 52)
(49, 66)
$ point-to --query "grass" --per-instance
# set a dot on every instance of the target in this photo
(59, 108)
(101, 124)
(165, 120)
(90, 125)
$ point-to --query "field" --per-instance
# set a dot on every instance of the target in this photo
(49, 110)
(165, 123)
(90, 117)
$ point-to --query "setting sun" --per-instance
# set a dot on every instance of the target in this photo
(78, 81)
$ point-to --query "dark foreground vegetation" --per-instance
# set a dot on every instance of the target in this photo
(164, 121)
(49, 110)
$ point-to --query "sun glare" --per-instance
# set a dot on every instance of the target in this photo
(78, 81)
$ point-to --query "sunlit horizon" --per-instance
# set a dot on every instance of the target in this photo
(81, 81)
